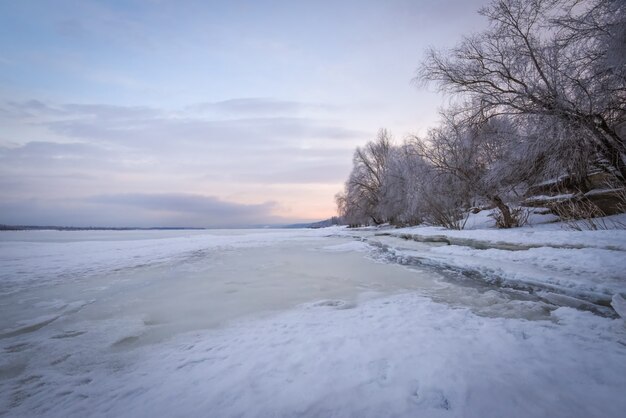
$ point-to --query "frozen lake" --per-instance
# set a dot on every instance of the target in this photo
(178, 281)
(279, 323)
(181, 281)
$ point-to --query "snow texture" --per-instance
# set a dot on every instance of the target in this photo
(309, 323)
(398, 356)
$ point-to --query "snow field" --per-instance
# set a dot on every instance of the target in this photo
(206, 326)
(402, 355)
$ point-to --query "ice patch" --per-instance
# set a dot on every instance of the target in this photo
(335, 304)
(349, 246)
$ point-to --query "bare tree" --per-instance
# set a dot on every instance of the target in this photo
(364, 189)
(474, 155)
(443, 199)
(404, 186)
(545, 57)
(540, 93)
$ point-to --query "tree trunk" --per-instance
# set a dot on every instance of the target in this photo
(613, 146)
(507, 219)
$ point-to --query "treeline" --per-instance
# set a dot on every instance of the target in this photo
(539, 94)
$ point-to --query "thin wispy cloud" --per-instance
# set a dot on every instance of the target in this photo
(260, 106)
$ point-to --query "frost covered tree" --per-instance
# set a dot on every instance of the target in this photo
(362, 200)
(559, 59)
(540, 93)
(404, 186)
(443, 199)
(477, 156)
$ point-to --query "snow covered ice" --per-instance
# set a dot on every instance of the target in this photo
(313, 323)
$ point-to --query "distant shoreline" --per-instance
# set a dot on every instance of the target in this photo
(89, 228)
(318, 224)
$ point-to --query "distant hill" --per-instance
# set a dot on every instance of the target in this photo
(80, 228)
(320, 224)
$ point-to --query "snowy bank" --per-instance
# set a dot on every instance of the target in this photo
(480, 232)
(564, 267)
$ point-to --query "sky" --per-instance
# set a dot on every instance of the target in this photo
(205, 113)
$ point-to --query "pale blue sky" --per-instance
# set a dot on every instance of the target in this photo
(183, 112)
